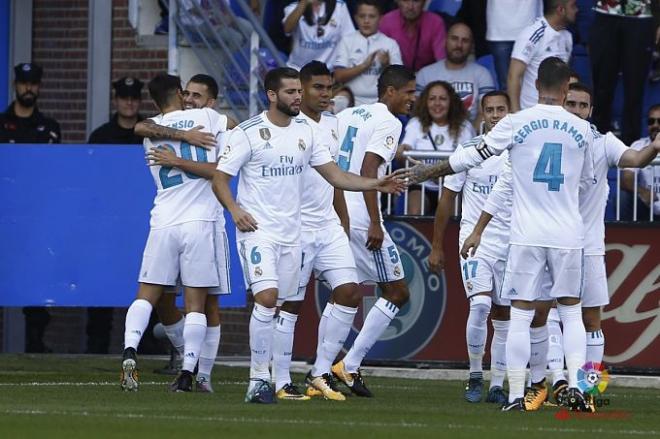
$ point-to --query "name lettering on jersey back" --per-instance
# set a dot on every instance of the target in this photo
(557, 125)
(182, 124)
(285, 168)
(484, 188)
(364, 114)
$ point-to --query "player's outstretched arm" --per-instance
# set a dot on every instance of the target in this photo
(150, 129)
(339, 203)
(442, 214)
(472, 242)
(164, 157)
(633, 158)
(243, 220)
(394, 183)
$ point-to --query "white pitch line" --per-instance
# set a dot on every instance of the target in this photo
(241, 420)
(556, 430)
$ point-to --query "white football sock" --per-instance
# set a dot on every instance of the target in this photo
(476, 331)
(377, 321)
(555, 347)
(595, 346)
(575, 340)
(518, 350)
(538, 359)
(194, 331)
(137, 319)
(322, 323)
(261, 341)
(498, 352)
(285, 326)
(209, 352)
(175, 334)
(338, 325)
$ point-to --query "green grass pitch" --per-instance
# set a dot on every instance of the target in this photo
(53, 396)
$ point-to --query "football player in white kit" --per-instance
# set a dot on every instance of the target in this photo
(325, 251)
(550, 153)
(181, 241)
(201, 92)
(482, 274)
(271, 151)
(369, 136)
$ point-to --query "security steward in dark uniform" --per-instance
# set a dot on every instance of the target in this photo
(128, 96)
(127, 99)
(22, 122)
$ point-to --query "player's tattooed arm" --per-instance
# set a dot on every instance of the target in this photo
(339, 203)
(243, 220)
(442, 214)
(420, 172)
(472, 242)
(149, 128)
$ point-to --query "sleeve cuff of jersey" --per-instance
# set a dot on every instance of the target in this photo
(491, 208)
(226, 170)
(456, 164)
(452, 187)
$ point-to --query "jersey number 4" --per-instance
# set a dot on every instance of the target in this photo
(168, 180)
(346, 150)
(548, 168)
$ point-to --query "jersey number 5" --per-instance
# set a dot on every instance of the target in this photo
(168, 180)
(548, 168)
(346, 150)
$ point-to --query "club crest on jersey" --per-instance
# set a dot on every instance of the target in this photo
(418, 321)
(301, 145)
(264, 133)
(257, 271)
(469, 286)
(389, 141)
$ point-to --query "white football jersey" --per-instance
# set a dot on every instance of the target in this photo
(317, 210)
(550, 153)
(476, 185)
(181, 196)
(367, 128)
(535, 43)
(607, 151)
(271, 161)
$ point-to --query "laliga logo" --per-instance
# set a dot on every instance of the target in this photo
(417, 322)
(593, 378)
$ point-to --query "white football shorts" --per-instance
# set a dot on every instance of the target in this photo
(327, 253)
(483, 274)
(376, 266)
(268, 265)
(186, 251)
(525, 274)
(595, 292)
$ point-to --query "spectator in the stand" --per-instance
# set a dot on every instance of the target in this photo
(385, 5)
(22, 122)
(214, 24)
(440, 124)
(470, 80)
(342, 98)
(362, 55)
(128, 95)
(316, 27)
(544, 38)
(648, 179)
(622, 40)
(420, 34)
(505, 20)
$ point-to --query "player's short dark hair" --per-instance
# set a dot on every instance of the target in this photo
(492, 94)
(653, 108)
(273, 80)
(575, 74)
(579, 86)
(375, 3)
(163, 88)
(553, 73)
(396, 76)
(208, 81)
(549, 6)
(314, 68)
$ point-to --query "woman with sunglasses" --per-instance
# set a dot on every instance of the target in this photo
(316, 27)
(440, 124)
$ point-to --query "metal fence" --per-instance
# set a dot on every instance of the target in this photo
(400, 206)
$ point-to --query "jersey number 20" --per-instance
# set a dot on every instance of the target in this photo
(186, 153)
(548, 168)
